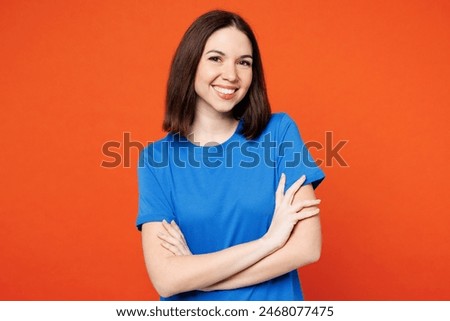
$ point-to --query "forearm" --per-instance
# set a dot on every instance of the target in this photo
(175, 274)
(302, 248)
(173, 270)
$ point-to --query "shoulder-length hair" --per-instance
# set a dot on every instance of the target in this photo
(181, 97)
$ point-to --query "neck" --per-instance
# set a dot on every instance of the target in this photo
(212, 127)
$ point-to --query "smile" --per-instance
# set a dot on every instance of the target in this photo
(225, 91)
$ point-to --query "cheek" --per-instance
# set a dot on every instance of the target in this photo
(201, 80)
(205, 74)
(247, 80)
(196, 85)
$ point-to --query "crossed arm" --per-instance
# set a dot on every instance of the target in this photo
(285, 247)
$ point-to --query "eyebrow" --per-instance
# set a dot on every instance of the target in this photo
(223, 54)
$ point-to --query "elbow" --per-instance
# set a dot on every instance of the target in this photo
(164, 287)
(314, 255)
(314, 252)
(168, 284)
(309, 255)
(312, 249)
(164, 292)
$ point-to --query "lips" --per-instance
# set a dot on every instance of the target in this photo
(225, 92)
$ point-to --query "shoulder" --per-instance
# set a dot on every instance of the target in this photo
(158, 145)
(155, 151)
(279, 123)
(280, 120)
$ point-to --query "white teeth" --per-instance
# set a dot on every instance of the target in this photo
(224, 90)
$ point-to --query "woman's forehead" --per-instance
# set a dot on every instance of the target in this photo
(229, 40)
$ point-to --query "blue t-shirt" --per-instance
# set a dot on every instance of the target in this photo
(224, 195)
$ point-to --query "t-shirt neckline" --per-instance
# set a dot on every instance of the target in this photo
(224, 143)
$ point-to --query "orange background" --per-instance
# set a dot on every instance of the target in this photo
(77, 74)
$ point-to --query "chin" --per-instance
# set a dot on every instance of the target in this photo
(224, 109)
(219, 106)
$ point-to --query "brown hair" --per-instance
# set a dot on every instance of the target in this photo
(181, 97)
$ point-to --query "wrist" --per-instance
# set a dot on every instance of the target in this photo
(269, 244)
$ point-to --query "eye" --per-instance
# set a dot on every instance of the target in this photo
(245, 63)
(215, 58)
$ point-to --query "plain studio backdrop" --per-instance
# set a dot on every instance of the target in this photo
(75, 75)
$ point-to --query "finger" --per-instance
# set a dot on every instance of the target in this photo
(169, 228)
(289, 196)
(175, 245)
(175, 226)
(164, 224)
(167, 238)
(299, 205)
(170, 239)
(307, 213)
(179, 234)
(169, 243)
(186, 251)
(280, 189)
(173, 249)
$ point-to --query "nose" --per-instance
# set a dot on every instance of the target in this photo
(229, 72)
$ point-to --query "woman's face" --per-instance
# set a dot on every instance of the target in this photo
(224, 73)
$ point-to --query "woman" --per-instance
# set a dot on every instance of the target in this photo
(226, 200)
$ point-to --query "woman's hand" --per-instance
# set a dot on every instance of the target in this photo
(287, 214)
(174, 240)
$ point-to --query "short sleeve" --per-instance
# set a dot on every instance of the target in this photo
(294, 159)
(153, 205)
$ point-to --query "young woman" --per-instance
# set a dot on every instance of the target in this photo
(226, 200)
